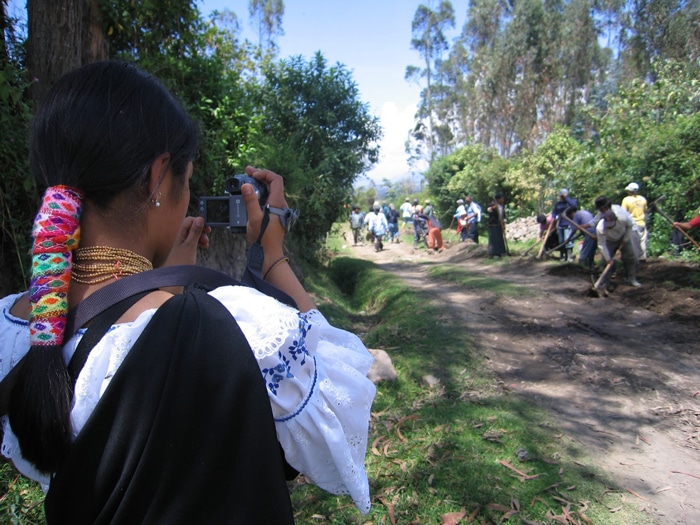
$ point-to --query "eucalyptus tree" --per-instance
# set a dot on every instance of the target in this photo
(474, 62)
(428, 30)
(269, 14)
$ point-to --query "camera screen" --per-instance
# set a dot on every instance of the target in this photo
(224, 212)
(215, 210)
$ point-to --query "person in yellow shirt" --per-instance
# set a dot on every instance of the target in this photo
(636, 206)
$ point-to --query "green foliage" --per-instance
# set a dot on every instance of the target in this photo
(199, 62)
(18, 195)
(648, 134)
(318, 134)
(536, 177)
(472, 170)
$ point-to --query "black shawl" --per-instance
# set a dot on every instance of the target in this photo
(184, 433)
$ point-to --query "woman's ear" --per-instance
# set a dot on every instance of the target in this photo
(158, 170)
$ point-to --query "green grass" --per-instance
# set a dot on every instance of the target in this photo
(21, 500)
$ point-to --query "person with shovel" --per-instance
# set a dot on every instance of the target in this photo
(692, 223)
(547, 225)
(580, 219)
(563, 226)
(616, 231)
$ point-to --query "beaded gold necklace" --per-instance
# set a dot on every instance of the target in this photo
(96, 264)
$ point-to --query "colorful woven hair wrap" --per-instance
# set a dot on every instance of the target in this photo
(56, 233)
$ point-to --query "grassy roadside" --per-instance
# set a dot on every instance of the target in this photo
(451, 451)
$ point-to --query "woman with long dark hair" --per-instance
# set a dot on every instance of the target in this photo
(190, 406)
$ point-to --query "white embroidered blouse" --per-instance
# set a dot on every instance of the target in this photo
(316, 377)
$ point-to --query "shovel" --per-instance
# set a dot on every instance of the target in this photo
(526, 252)
(549, 231)
(581, 229)
(594, 290)
(559, 246)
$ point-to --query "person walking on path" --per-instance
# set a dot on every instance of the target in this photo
(615, 231)
(392, 218)
(636, 206)
(378, 225)
(496, 225)
(418, 223)
(357, 219)
(406, 212)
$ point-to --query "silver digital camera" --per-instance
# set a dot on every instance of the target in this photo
(230, 211)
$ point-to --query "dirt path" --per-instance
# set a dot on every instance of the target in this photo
(620, 374)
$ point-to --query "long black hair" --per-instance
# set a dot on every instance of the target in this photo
(99, 130)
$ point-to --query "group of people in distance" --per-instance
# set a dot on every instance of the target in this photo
(383, 219)
(380, 220)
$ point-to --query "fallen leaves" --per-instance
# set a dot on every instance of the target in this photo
(523, 475)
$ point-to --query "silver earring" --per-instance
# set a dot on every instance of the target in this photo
(156, 201)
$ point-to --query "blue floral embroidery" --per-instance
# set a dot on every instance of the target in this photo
(275, 375)
(306, 399)
(298, 347)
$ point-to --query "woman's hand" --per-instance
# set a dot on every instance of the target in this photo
(193, 234)
(274, 233)
(280, 274)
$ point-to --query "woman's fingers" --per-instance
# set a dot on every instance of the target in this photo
(193, 234)
(274, 183)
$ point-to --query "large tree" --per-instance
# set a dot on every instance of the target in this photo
(62, 35)
(428, 30)
(269, 15)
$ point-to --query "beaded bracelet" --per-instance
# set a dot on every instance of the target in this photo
(275, 265)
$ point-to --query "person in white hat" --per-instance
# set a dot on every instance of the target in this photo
(636, 206)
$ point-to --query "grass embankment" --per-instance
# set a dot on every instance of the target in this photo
(449, 451)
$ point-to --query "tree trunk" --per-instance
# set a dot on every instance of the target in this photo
(3, 26)
(62, 35)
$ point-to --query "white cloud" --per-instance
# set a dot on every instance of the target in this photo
(393, 160)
